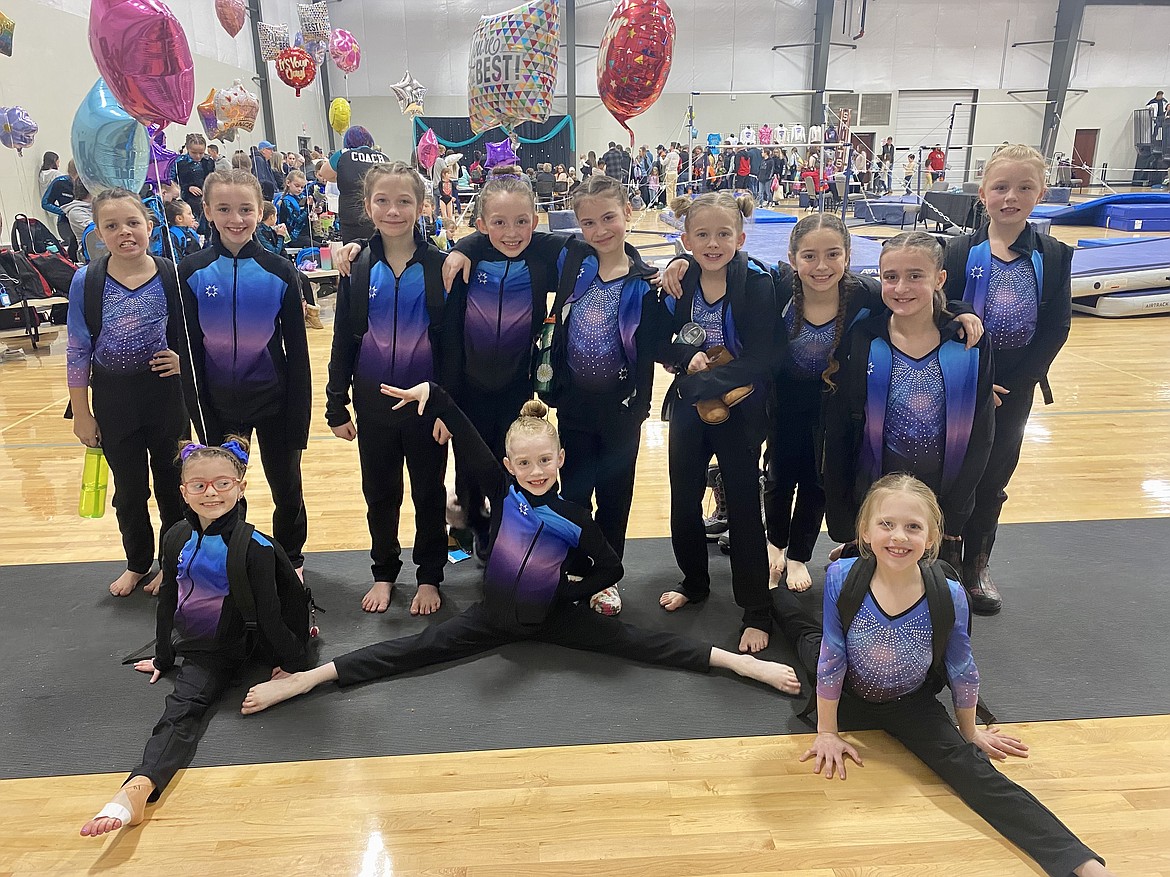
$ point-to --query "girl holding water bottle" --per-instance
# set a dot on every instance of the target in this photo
(124, 329)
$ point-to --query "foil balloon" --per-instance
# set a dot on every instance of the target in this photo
(339, 114)
(17, 129)
(634, 59)
(314, 19)
(273, 39)
(296, 68)
(410, 93)
(142, 54)
(345, 51)
(236, 107)
(318, 48)
(512, 68)
(208, 118)
(7, 28)
(501, 153)
(231, 15)
(428, 149)
(162, 160)
(110, 147)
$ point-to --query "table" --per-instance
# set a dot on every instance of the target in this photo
(952, 208)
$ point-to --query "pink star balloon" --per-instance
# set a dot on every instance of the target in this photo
(142, 53)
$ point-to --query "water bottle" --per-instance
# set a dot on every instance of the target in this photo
(544, 371)
(326, 258)
(95, 478)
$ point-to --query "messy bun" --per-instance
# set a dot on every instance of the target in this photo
(534, 408)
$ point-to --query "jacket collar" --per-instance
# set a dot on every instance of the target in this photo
(1024, 243)
(378, 250)
(220, 526)
(249, 251)
(878, 326)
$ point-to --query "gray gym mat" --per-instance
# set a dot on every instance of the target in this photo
(1083, 636)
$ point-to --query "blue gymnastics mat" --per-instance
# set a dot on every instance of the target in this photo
(769, 244)
(1090, 243)
(1096, 212)
(1105, 278)
(766, 216)
(1138, 217)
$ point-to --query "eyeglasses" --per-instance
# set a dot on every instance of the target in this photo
(221, 485)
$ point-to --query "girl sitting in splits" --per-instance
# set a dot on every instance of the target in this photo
(198, 601)
(536, 535)
(879, 665)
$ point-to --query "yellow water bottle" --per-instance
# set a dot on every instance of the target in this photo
(95, 478)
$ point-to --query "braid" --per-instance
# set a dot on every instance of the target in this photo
(844, 293)
(797, 305)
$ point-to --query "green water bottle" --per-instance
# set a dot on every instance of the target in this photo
(95, 478)
(544, 369)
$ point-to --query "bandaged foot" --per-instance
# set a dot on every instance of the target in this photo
(128, 807)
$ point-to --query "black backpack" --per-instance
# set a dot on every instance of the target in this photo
(33, 236)
(359, 305)
(938, 604)
(20, 278)
(297, 609)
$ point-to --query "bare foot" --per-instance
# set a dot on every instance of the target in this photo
(125, 584)
(426, 600)
(377, 598)
(776, 563)
(798, 576)
(672, 600)
(779, 676)
(753, 640)
(154, 585)
(127, 808)
(266, 694)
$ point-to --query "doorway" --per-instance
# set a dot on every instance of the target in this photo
(1084, 153)
(864, 143)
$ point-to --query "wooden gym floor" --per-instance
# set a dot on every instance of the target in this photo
(738, 807)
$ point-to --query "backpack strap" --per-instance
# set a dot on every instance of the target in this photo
(359, 305)
(853, 591)
(95, 287)
(239, 585)
(433, 282)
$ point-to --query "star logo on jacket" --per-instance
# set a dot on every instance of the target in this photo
(481, 277)
(581, 273)
(869, 368)
(977, 271)
(623, 373)
(211, 291)
(373, 293)
(523, 507)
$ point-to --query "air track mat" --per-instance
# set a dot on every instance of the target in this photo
(1129, 279)
(1097, 211)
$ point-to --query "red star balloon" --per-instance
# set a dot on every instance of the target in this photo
(296, 68)
(634, 59)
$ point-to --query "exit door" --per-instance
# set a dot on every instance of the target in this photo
(1084, 154)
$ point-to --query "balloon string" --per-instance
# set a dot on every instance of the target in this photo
(166, 227)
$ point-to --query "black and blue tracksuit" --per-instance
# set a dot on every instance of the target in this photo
(527, 594)
(198, 620)
(250, 367)
(405, 338)
(294, 213)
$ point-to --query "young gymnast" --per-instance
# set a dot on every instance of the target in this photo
(125, 328)
(181, 225)
(884, 668)
(528, 594)
(292, 210)
(248, 348)
(1019, 281)
(448, 199)
(910, 398)
(716, 405)
(269, 234)
(392, 326)
(191, 172)
(198, 601)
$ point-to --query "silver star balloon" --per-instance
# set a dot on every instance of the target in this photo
(410, 93)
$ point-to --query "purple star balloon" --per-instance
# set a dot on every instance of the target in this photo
(500, 153)
(162, 160)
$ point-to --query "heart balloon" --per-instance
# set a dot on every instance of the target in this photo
(236, 107)
(17, 129)
(339, 114)
(345, 51)
(110, 147)
(162, 160)
(428, 149)
(634, 59)
(231, 15)
(142, 53)
(296, 68)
